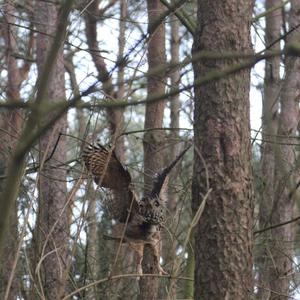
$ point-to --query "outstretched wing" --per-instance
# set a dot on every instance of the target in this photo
(106, 168)
(108, 172)
(161, 177)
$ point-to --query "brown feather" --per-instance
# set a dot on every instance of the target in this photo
(145, 216)
(108, 172)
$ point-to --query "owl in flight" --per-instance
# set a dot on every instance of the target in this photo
(140, 219)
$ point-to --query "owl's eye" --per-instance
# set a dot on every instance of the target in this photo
(156, 203)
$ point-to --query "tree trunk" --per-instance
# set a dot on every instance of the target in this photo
(223, 236)
(269, 131)
(153, 140)
(52, 226)
(170, 242)
(12, 122)
(11, 289)
(174, 106)
(283, 237)
(115, 116)
(127, 288)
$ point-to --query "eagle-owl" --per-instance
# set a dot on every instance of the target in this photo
(140, 220)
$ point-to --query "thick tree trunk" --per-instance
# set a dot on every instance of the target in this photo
(52, 226)
(283, 237)
(223, 236)
(153, 140)
(269, 131)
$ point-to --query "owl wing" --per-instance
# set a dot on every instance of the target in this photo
(161, 179)
(108, 172)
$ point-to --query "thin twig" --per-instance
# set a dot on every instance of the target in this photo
(276, 225)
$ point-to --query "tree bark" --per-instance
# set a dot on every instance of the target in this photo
(52, 225)
(223, 236)
(281, 249)
(12, 124)
(115, 116)
(153, 140)
(170, 244)
(269, 132)
(174, 104)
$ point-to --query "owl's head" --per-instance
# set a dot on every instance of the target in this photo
(152, 210)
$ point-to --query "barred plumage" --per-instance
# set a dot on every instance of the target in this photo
(104, 165)
(145, 217)
(108, 172)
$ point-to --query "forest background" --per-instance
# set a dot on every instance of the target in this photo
(148, 78)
